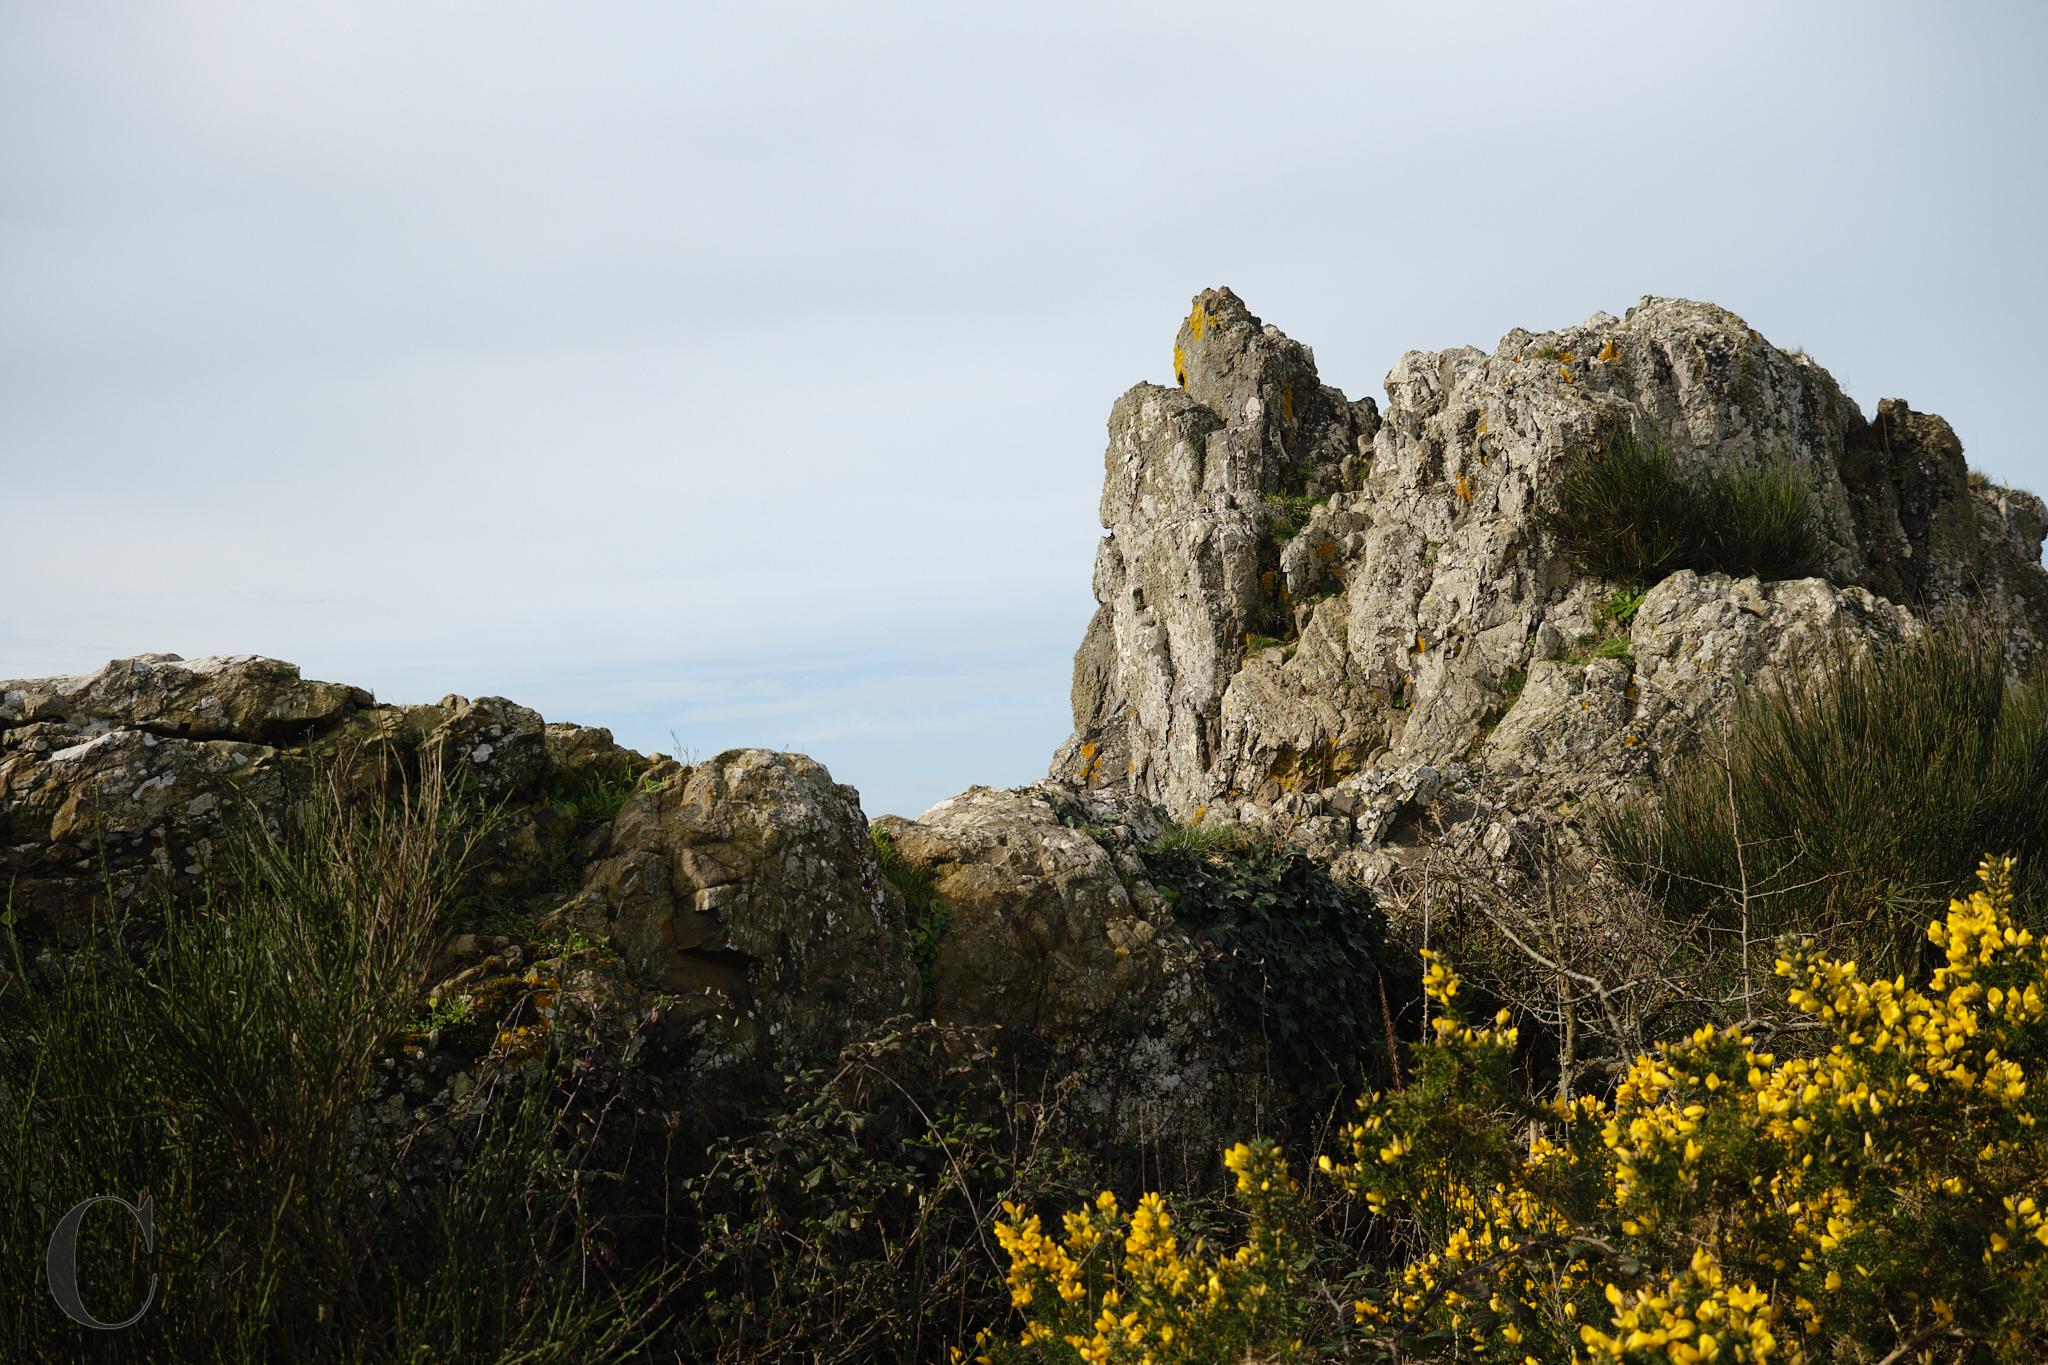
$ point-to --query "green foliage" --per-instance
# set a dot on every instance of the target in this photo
(1287, 513)
(849, 1223)
(1304, 959)
(1622, 604)
(441, 1012)
(1626, 513)
(1201, 837)
(1850, 800)
(1762, 522)
(596, 798)
(1254, 643)
(227, 1062)
(924, 908)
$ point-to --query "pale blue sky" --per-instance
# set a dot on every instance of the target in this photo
(738, 373)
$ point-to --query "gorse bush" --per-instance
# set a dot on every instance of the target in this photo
(1844, 793)
(224, 1063)
(1625, 512)
(1882, 1197)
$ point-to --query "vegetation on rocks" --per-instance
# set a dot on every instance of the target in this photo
(230, 1061)
(1834, 804)
(1304, 960)
(1627, 512)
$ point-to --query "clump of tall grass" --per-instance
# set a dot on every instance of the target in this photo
(223, 1061)
(1855, 803)
(1625, 512)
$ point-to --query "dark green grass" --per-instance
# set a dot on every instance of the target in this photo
(1625, 512)
(221, 1061)
(1864, 799)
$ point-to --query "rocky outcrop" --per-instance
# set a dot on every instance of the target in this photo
(121, 782)
(1055, 937)
(1320, 614)
(747, 887)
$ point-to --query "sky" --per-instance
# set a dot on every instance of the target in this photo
(737, 374)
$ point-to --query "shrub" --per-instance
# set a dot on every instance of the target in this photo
(1884, 1196)
(226, 1065)
(1626, 513)
(848, 1222)
(1845, 794)
(1303, 957)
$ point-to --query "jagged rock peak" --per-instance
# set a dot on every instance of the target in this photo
(1302, 598)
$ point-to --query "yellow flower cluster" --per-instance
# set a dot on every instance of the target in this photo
(1887, 1185)
(1694, 1317)
(1119, 1288)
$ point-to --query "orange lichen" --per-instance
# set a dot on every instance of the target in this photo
(1180, 367)
(1287, 402)
(1608, 353)
(1091, 761)
(1464, 489)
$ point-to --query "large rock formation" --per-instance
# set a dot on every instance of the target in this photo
(1316, 613)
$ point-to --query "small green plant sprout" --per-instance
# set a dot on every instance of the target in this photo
(924, 909)
(1622, 604)
(442, 1011)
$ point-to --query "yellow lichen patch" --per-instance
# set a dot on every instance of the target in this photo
(1091, 761)
(1480, 430)
(1608, 353)
(1287, 402)
(1180, 367)
(1464, 489)
(1421, 645)
(1198, 321)
(1564, 372)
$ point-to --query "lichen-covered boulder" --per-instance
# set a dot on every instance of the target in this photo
(1055, 938)
(747, 886)
(123, 781)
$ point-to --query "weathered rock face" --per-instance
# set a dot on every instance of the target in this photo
(748, 887)
(123, 780)
(1055, 936)
(1397, 565)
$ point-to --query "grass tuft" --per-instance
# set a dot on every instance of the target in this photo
(1863, 798)
(1626, 513)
